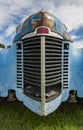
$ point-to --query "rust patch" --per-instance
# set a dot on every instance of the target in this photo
(45, 20)
(48, 21)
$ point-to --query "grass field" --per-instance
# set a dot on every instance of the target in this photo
(15, 116)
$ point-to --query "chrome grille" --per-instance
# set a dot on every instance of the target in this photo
(32, 63)
(53, 62)
(32, 67)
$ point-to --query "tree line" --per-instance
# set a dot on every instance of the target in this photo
(3, 46)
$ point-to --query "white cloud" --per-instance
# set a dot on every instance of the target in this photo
(71, 15)
(78, 44)
(11, 8)
(10, 30)
(74, 37)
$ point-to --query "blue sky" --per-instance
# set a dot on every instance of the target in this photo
(12, 12)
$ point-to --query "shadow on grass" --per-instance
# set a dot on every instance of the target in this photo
(15, 116)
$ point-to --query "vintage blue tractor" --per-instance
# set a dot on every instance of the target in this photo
(42, 68)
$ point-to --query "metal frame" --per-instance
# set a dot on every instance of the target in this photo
(43, 73)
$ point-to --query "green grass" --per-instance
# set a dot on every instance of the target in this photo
(15, 116)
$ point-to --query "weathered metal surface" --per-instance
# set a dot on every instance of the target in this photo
(52, 105)
(7, 70)
(42, 19)
(76, 70)
(10, 65)
(43, 74)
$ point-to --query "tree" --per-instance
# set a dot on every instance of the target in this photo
(2, 45)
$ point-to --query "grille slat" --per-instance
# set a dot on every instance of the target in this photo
(32, 69)
(53, 54)
(52, 76)
(52, 83)
(31, 61)
(55, 61)
(31, 65)
(53, 47)
(54, 50)
(53, 41)
(31, 54)
(33, 58)
(53, 66)
(53, 80)
(31, 47)
(30, 83)
(32, 40)
(31, 73)
(32, 76)
(53, 58)
(33, 51)
(31, 79)
(50, 73)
